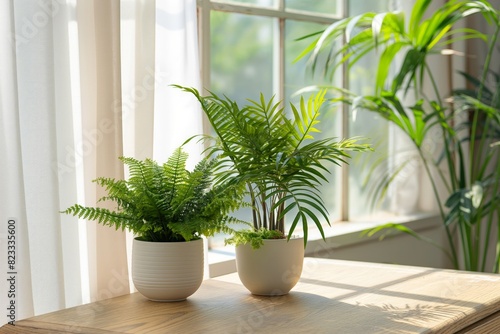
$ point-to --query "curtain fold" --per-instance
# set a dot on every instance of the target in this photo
(12, 193)
(99, 34)
(75, 94)
(65, 168)
(138, 76)
(177, 115)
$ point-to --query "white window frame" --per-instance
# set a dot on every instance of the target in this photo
(282, 14)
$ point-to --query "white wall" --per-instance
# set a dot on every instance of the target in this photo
(396, 249)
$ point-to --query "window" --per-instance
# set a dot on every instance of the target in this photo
(249, 46)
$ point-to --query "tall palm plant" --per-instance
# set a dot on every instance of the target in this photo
(472, 165)
(276, 157)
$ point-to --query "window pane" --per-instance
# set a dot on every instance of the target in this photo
(241, 55)
(357, 7)
(241, 66)
(297, 74)
(318, 6)
(367, 170)
(296, 78)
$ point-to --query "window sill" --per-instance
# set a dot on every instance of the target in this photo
(339, 235)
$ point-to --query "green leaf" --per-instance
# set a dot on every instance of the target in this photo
(384, 65)
(417, 13)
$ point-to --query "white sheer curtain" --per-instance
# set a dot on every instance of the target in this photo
(177, 114)
(74, 96)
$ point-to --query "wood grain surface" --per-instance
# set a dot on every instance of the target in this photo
(332, 297)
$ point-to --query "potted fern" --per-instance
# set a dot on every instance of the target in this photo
(168, 209)
(282, 167)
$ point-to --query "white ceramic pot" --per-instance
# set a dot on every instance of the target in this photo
(273, 269)
(167, 271)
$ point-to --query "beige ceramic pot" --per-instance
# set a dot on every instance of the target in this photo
(273, 269)
(167, 271)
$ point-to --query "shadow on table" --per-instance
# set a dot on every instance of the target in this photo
(286, 314)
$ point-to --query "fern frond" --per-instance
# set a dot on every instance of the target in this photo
(166, 202)
(103, 216)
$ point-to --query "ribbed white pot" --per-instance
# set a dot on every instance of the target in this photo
(167, 271)
(273, 269)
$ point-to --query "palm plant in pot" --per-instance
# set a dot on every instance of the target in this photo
(168, 209)
(468, 168)
(282, 167)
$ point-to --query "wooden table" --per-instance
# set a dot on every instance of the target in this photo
(332, 297)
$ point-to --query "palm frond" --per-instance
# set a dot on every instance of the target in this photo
(387, 35)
